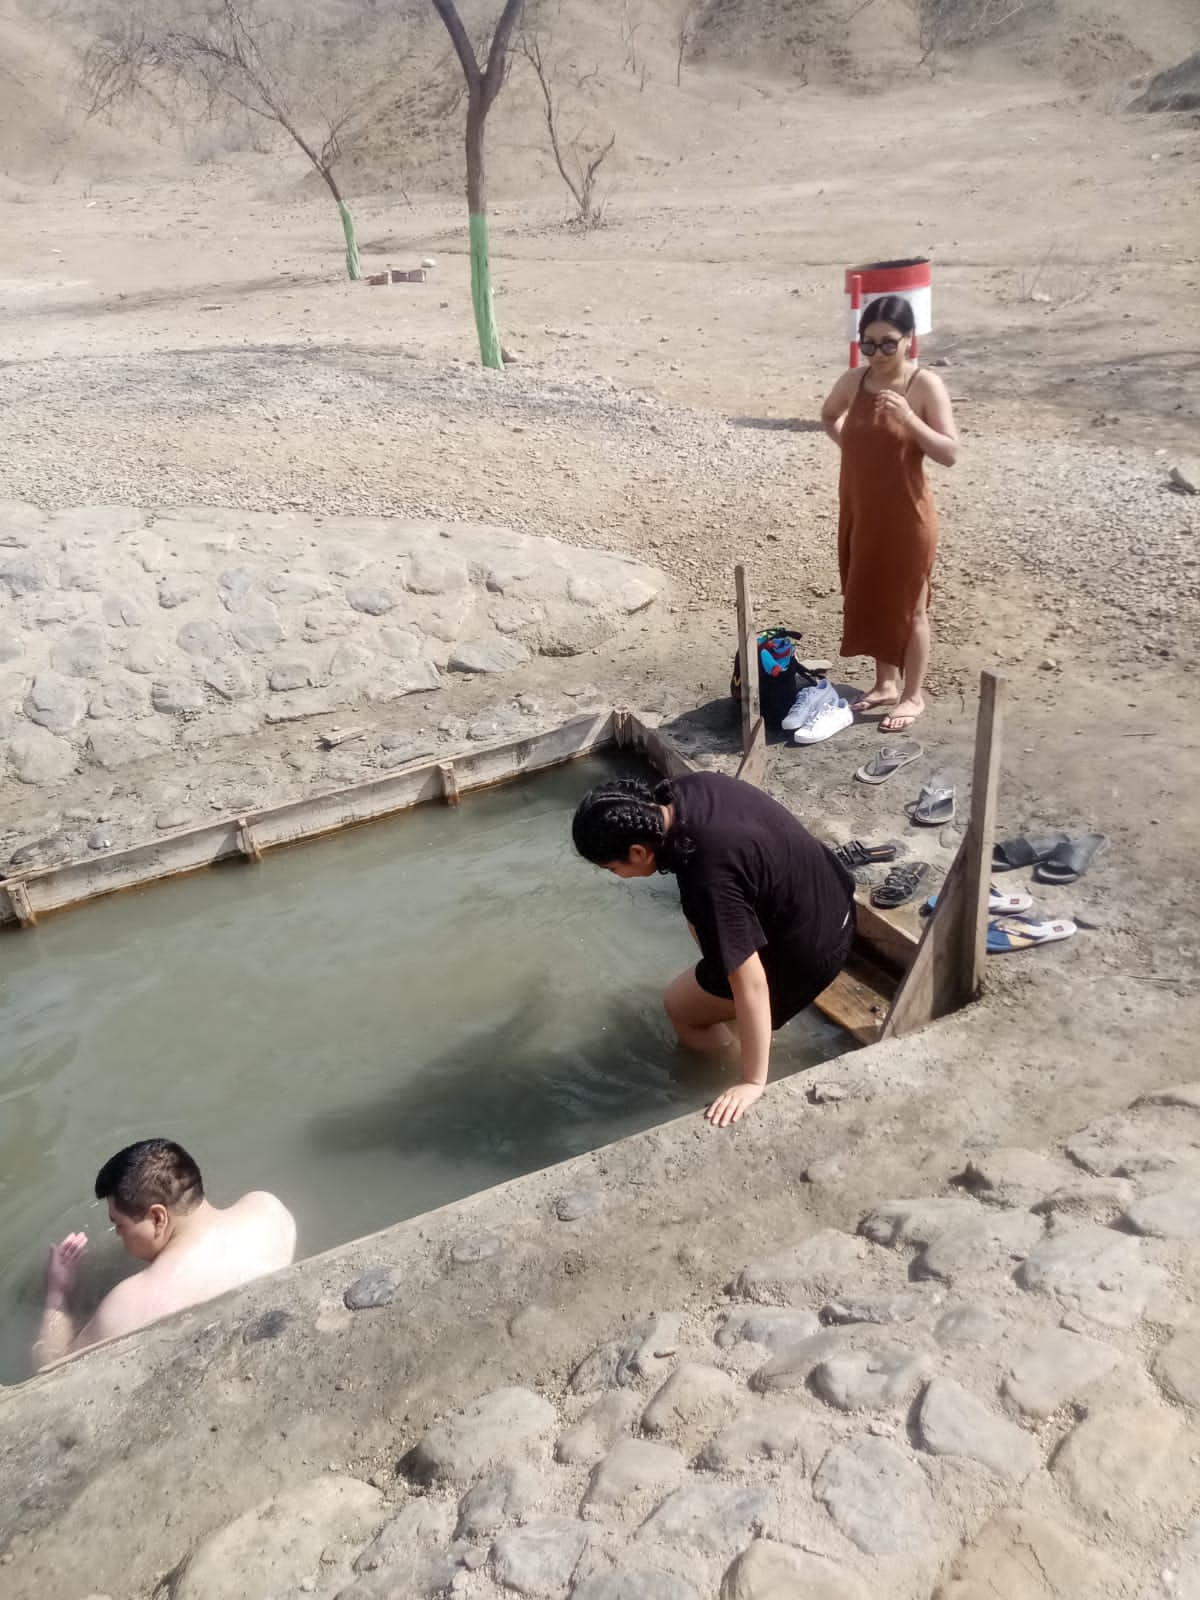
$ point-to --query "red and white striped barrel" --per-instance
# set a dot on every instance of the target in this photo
(912, 279)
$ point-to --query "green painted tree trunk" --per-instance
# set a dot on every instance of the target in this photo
(353, 266)
(481, 293)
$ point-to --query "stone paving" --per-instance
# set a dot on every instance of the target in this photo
(987, 1394)
(125, 634)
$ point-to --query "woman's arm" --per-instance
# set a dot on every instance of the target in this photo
(933, 425)
(752, 1003)
(837, 403)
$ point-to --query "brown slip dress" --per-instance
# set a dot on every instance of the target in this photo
(887, 532)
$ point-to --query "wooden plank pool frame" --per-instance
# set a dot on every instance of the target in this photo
(857, 1001)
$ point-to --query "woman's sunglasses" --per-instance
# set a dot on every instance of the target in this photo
(885, 347)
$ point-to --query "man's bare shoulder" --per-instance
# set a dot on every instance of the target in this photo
(266, 1211)
(130, 1305)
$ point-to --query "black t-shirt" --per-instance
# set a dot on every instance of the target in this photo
(757, 878)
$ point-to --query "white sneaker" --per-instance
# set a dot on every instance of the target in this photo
(810, 699)
(827, 720)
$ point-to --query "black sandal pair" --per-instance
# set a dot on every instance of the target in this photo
(854, 853)
(900, 885)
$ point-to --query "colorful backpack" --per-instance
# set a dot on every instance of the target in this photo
(780, 675)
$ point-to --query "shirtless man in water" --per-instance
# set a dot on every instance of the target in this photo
(194, 1252)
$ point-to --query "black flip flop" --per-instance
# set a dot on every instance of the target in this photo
(1023, 852)
(854, 853)
(900, 885)
(1070, 859)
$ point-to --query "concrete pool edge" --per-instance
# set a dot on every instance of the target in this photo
(476, 1282)
(857, 1002)
(118, 1464)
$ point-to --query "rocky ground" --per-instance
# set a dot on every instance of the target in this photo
(983, 1389)
(137, 642)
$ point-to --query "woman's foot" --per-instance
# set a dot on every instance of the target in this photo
(883, 694)
(903, 716)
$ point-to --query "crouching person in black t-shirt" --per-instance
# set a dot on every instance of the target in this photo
(770, 908)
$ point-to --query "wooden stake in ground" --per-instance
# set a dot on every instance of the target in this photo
(754, 733)
(947, 971)
(483, 85)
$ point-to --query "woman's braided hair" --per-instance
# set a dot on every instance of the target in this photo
(614, 816)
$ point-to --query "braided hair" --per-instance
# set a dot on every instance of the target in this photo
(614, 816)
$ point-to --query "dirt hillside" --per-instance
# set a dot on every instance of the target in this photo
(608, 67)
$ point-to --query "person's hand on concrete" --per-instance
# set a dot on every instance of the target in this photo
(728, 1107)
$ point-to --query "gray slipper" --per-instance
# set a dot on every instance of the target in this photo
(1070, 859)
(933, 807)
(889, 758)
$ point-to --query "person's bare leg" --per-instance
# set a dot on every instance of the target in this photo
(700, 1019)
(886, 689)
(916, 664)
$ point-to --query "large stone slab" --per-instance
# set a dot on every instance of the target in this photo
(877, 1495)
(503, 1494)
(1052, 1366)
(777, 1327)
(1124, 1465)
(979, 1243)
(1098, 1273)
(770, 1571)
(1012, 1177)
(1148, 1142)
(634, 1583)
(879, 1378)
(811, 1270)
(772, 1433)
(278, 1545)
(421, 1524)
(954, 1422)
(489, 1429)
(1176, 1367)
(634, 1475)
(642, 1351)
(1020, 1555)
(915, 1222)
(1170, 1213)
(711, 1520)
(795, 1364)
(605, 1420)
(539, 1559)
(695, 1401)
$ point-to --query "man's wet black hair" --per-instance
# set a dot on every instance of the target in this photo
(151, 1172)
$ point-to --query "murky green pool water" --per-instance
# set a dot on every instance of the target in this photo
(370, 1026)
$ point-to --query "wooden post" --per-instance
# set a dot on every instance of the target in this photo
(754, 733)
(449, 782)
(947, 970)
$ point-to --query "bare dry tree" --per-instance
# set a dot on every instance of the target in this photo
(224, 53)
(630, 26)
(483, 85)
(958, 24)
(686, 19)
(578, 159)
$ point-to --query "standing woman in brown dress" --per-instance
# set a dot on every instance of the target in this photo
(887, 417)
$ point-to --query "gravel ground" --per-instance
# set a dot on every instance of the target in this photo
(1101, 545)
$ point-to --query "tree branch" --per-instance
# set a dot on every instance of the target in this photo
(448, 11)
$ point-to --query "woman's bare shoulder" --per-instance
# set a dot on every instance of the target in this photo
(924, 379)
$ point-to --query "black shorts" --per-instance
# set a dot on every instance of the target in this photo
(795, 977)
